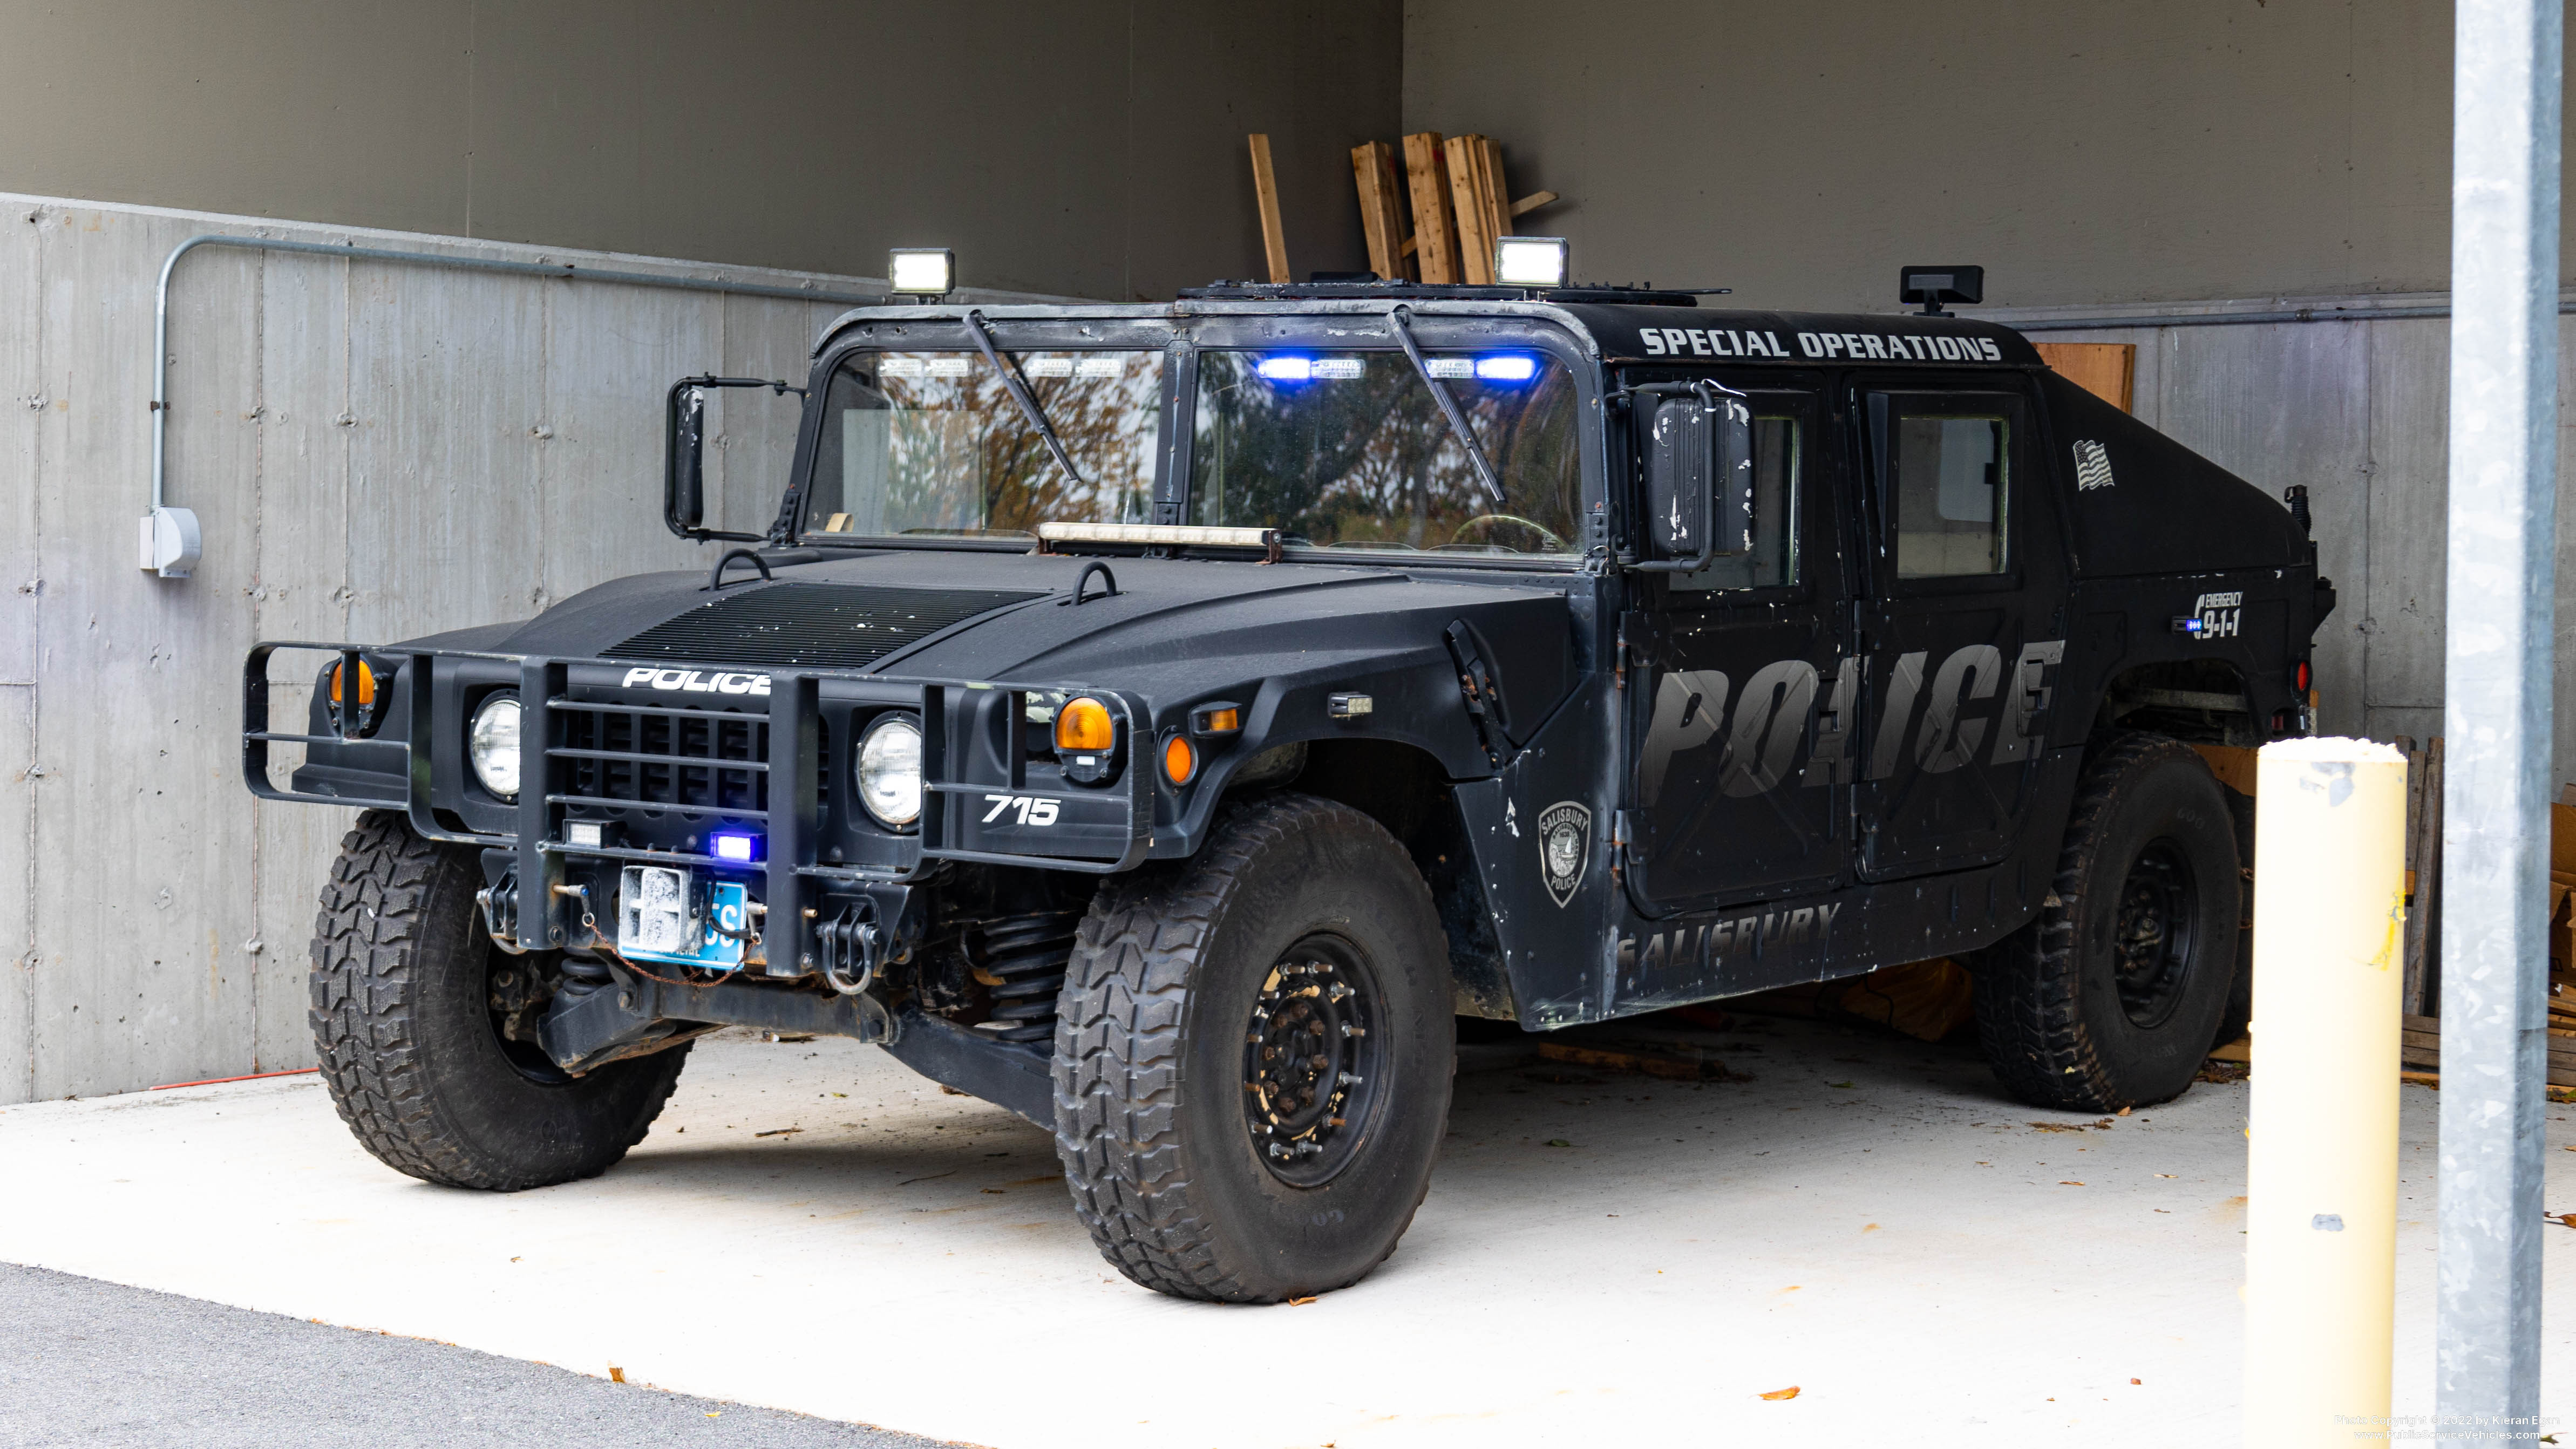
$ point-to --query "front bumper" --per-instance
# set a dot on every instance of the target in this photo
(666, 765)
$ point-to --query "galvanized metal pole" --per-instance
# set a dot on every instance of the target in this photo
(2496, 707)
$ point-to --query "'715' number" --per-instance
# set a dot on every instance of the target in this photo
(1033, 809)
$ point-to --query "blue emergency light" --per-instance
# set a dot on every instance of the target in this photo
(742, 848)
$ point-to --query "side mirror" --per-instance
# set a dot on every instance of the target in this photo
(684, 454)
(684, 461)
(1699, 478)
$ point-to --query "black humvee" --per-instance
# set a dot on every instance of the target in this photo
(1163, 721)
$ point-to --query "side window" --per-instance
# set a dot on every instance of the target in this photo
(1778, 442)
(1944, 466)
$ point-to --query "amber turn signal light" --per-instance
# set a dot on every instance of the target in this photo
(1180, 759)
(1084, 726)
(1217, 719)
(366, 684)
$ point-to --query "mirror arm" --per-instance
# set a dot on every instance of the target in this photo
(671, 453)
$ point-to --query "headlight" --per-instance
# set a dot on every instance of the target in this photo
(890, 771)
(493, 745)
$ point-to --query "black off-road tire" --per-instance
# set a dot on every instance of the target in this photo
(1154, 1121)
(2051, 1014)
(407, 1045)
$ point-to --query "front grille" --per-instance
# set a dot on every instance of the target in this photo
(610, 758)
(821, 626)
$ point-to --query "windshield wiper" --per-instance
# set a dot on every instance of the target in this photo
(1020, 394)
(1396, 320)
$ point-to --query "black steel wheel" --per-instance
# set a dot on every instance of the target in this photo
(2111, 996)
(2151, 943)
(1310, 1064)
(1253, 1056)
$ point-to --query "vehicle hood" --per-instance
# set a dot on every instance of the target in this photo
(1174, 627)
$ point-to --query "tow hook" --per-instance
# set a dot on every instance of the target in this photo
(500, 905)
(847, 949)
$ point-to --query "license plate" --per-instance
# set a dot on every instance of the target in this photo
(674, 915)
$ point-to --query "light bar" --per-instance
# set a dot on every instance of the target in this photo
(1507, 367)
(1529, 261)
(743, 848)
(921, 271)
(1184, 534)
(1286, 369)
(584, 834)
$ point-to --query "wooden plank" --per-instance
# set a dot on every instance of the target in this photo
(2108, 370)
(2232, 764)
(1467, 162)
(1265, 192)
(1490, 190)
(1381, 210)
(1534, 201)
(2423, 920)
(1426, 173)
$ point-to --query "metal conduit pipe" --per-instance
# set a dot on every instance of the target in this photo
(2566, 305)
(171, 541)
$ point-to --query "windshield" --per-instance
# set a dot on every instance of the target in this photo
(930, 443)
(1349, 450)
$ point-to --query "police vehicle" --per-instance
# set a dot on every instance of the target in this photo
(1164, 721)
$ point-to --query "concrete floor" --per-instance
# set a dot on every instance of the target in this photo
(1602, 1258)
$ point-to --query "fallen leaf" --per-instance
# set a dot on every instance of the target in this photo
(2068, 1182)
(1838, 1084)
(778, 1132)
(2137, 1381)
(1790, 1392)
(1301, 1302)
(1558, 1142)
(2123, 1112)
(616, 1375)
(2563, 1219)
(1869, 1227)
(997, 1192)
(2164, 1174)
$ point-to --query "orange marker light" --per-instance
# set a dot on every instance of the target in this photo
(1180, 760)
(1084, 727)
(366, 684)
(1224, 721)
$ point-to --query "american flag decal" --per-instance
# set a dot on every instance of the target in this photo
(2092, 465)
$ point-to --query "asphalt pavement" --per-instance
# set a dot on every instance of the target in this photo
(84, 1362)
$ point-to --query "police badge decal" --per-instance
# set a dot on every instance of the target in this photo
(1564, 845)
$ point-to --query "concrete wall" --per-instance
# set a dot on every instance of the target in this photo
(1082, 147)
(2082, 153)
(376, 451)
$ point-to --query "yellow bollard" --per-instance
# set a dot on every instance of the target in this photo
(2321, 1164)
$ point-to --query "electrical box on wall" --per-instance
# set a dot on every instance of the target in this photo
(171, 543)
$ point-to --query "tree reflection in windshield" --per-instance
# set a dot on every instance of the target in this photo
(1350, 451)
(930, 443)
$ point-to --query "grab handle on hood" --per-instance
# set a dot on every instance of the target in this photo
(1083, 580)
(715, 576)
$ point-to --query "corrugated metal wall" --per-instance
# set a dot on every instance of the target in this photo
(376, 451)
(2359, 411)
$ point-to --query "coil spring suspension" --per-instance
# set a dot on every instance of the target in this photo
(583, 975)
(1024, 963)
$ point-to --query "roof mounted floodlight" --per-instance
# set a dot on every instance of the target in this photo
(921, 271)
(1529, 261)
(1932, 286)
